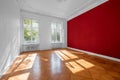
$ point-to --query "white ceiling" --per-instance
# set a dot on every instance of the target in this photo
(66, 9)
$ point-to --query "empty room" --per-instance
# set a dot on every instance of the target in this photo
(59, 39)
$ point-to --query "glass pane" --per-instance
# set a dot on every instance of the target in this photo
(58, 32)
(53, 27)
(27, 34)
(35, 31)
(27, 22)
(58, 36)
(34, 35)
(27, 30)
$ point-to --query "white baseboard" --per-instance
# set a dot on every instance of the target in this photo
(95, 54)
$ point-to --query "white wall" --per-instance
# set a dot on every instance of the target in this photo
(9, 33)
(45, 29)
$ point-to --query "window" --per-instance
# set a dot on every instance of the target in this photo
(57, 33)
(31, 31)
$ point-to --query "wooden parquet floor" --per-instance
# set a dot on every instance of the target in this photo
(62, 64)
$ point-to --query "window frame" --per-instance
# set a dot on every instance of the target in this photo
(61, 32)
(31, 41)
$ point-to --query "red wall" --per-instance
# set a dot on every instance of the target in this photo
(97, 30)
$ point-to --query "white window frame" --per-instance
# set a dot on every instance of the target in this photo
(30, 42)
(61, 32)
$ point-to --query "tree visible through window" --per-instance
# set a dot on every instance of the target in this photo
(31, 31)
(57, 33)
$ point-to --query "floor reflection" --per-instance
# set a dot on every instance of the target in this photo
(55, 64)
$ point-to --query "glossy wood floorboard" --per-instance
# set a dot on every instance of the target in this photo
(62, 64)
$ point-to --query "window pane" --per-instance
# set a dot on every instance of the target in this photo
(27, 34)
(35, 33)
(56, 35)
(27, 22)
(53, 26)
(27, 30)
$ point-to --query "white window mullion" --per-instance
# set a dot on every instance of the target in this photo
(31, 31)
(56, 32)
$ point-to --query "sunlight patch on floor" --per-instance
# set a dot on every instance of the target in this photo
(85, 63)
(23, 76)
(27, 63)
(74, 67)
(62, 56)
(69, 54)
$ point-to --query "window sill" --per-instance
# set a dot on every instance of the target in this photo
(31, 44)
(56, 42)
